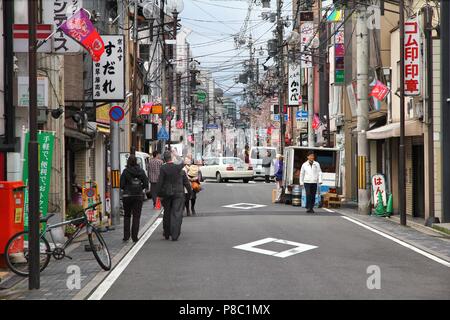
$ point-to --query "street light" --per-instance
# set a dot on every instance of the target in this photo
(175, 7)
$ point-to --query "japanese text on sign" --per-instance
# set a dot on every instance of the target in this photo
(412, 58)
(56, 12)
(378, 186)
(294, 85)
(108, 73)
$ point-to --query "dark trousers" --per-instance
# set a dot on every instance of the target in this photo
(173, 215)
(311, 190)
(132, 207)
(153, 192)
(190, 199)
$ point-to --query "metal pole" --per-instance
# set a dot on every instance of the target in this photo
(401, 162)
(115, 173)
(33, 147)
(281, 74)
(133, 111)
(445, 107)
(362, 66)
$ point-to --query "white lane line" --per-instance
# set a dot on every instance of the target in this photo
(326, 209)
(400, 242)
(115, 274)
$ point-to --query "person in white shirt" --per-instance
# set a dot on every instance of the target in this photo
(310, 176)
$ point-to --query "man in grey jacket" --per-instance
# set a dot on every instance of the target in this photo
(310, 176)
(171, 183)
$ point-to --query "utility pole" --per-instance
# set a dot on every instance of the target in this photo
(445, 107)
(401, 150)
(428, 13)
(115, 173)
(33, 149)
(362, 71)
(163, 70)
(311, 142)
(280, 74)
(133, 110)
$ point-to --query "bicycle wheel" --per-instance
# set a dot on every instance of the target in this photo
(100, 250)
(17, 253)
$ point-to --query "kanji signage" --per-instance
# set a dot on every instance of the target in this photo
(55, 12)
(109, 73)
(378, 186)
(46, 141)
(412, 70)
(307, 32)
(294, 85)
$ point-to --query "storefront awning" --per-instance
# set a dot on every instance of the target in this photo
(391, 130)
(102, 128)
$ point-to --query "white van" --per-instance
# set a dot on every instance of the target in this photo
(142, 160)
(256, 156)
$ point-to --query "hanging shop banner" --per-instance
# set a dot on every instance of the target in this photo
(379, 91)
(55, 12)
(46, 141)
(294, 84)
(307, 32)
(378, 186)
(109, 73)
(412, 70)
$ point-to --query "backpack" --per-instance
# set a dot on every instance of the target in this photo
(135, 187)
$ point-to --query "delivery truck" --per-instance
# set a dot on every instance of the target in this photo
(328, 159)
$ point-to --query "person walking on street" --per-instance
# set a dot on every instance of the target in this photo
(154, 167)
(266, 163)
(279, 177)
(310, 176)
(132, 181)
(192, 170)
(171, 183)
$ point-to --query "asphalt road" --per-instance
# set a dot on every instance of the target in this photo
(203, 263)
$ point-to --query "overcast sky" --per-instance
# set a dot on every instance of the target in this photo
(214, 24)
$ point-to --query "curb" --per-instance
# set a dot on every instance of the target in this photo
(412, 243)
(101, 275)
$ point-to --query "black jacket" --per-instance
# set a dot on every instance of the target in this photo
(127, 176)
(174, 174)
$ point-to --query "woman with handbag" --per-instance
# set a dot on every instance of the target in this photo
(192, 175)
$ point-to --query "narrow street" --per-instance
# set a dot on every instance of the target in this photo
(203, 263)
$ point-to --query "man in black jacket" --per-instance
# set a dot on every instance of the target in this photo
(132, 181)
(171, 183)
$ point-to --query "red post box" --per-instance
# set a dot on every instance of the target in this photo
(11, 210)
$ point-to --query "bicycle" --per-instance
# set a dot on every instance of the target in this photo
(17, 253)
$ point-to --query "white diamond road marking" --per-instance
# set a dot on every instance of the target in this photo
(299, 247)
(245, 206)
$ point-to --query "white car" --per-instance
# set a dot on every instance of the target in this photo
(225, 168)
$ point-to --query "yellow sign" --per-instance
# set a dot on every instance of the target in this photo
(18, 216)
(102, 114)
(90, 196)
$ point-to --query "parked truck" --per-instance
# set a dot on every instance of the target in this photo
(294, 157)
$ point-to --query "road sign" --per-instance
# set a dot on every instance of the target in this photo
(201, 96)
(116, 113)
(276, 117)
(301, 115)
(212, 126)
(162, 134)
